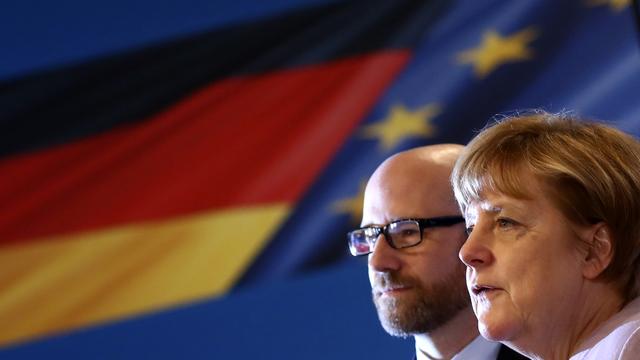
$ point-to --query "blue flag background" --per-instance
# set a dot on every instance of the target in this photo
(302, 295)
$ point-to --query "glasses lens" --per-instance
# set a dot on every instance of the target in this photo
(358, 243)
(404, 233)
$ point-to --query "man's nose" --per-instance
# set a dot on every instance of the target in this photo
(384, 258)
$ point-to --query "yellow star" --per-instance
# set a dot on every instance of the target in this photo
(496, 50)
(401, 123)
(353, 205)
(616, 5)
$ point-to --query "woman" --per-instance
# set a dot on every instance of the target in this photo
(552, 207)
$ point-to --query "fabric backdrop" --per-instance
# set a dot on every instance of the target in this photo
(176, 179)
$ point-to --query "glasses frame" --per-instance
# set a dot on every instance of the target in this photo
(423, 223)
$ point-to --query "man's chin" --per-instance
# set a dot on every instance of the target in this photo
(396, 321)
(396, 332)
(411, 315)
(420, 310)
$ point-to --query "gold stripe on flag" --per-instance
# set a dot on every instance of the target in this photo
(77, 280)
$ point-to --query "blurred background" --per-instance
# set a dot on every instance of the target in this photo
(177, 177)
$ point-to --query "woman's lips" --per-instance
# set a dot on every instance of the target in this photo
(483, 290)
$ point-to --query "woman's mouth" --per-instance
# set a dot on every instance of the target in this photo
(483, 290)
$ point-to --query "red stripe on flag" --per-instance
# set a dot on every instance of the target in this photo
(245, 140)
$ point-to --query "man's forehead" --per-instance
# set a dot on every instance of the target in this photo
(385, 205)
(412, 165)
(409, 185)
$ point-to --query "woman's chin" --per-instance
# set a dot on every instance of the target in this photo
(498, 328)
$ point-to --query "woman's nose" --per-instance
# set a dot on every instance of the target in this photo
(475, 251)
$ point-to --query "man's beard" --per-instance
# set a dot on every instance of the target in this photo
(425, 309)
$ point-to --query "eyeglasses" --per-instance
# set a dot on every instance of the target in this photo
(399, 234)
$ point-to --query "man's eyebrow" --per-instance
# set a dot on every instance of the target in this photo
(370, 225)
(390, 221)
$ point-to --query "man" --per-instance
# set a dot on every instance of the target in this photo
(412, 231)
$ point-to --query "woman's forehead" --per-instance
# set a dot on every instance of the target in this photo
(532, 201)
(496, 201)
(518, 182)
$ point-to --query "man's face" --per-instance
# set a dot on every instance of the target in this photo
(417, 289)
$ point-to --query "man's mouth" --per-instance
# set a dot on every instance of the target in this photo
(393, 290)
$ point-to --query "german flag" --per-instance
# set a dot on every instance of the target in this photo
(139, 181)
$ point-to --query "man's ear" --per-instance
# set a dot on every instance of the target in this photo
(600, 251)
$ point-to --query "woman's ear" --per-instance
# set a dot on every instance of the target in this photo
(600, 251)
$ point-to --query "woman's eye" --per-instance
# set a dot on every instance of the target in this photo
(469, 229)
(505, 223)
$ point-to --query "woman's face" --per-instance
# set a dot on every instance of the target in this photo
(523, 266)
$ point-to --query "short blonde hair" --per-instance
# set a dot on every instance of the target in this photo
(591, 171)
